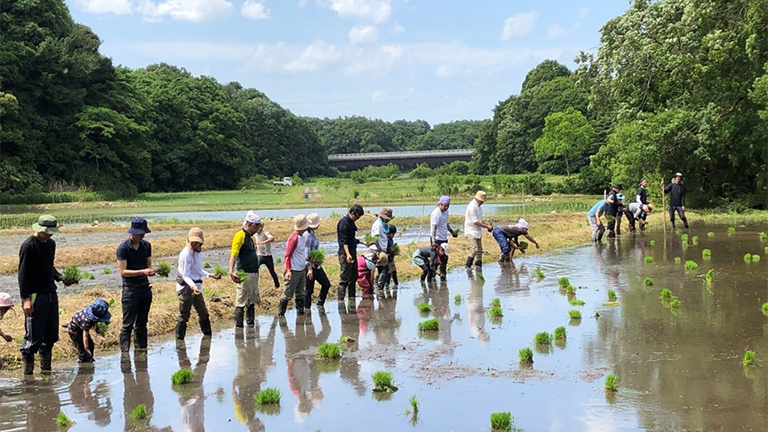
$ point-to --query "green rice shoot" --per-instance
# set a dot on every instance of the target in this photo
(674, 303)
(764, 308)
(182, 376)
(140, 412)
(429, 325)
(755, 258)
(457, 299)
(577, 302)
(612, 296)
(564, 282)
(611, 382)
(163, 269)
(678, 260)
(695, 240)
(383, 382)
(329, 351)
(538, 273)
(570, 289)
(206, 265)
(242, 276)
(763, 236)
(395, 249)
(574, 314)
(268, 396)
(219, 270)
(710, 276)
(749, 358)
(648, 259)
(666, 294)
(496, 302)
(495, 312)
(706, 254)
(424, 307)
(747, 258)
(87, 275)
(102, 328)
(691, 265)
(526, 355)
(371, 239)
(106, 271)
(731, 230)
(648, 281)
(652, 243)
(542, 338)
(317, 256)
(501, 421)
(560, 333)
(72, 275)
(414, 409)
(63, 421)
(710, 234)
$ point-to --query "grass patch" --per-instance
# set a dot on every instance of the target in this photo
(63, 421)
(495, 312)
(678, 260)
(501, 421)
(648, 282)
(457, 299)
(163, 269)
(543, 338)
(317, 256)
(611, 383)
(268, 396)
(612, 296)
(560, 333)
(429, 325)
(691, 265)
(140, 412)
(423, 307)
(383, 382)
(182, 376)
(564, 282)
(538, 273)
(329, 351)
(706, 254)
(106, 271)
(526, 356)
(574, 314)
(666, 294)
(648, 259)
(749, 358)
(710, 234)
(72, 275)
(577, 302)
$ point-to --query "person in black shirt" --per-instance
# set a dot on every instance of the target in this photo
(615, 210)
(507, 238)
(676, 192)
(37, 284)
(642, 194)
(134, 260)
(345, 233)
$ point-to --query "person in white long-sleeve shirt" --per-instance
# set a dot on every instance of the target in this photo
(189, 284)
(439, 229)
(473, 229)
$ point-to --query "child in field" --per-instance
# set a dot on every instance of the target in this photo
(366, 264)
(426, 258)
(264, 242)
(392, 274)
(6, 304)
(80, 326)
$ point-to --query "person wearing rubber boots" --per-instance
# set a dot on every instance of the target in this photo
(615, 210)
(243, 258)
(507, 238)
(297, 269)
(439, 229)
(595, 223)
(347, 253)
(189, 284)
(473, 230)
(676, 191)
(6, 304)
(318, 271)
(380, 229)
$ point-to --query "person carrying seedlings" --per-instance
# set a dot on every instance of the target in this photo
(593, 217)
(615, 211)
(366, 265)
(380, 229)
(637, 212)
(439, 229)
(296, 269)
(79, 328)
(6, 304)
(189, 284)
(391, 266)
(264, 242)
(676, 191)
(39, 300)
(345, 235)
(318, 272)
(425, 258)
(134, 261)
(243, 259)
(507, 238)
(473, 229)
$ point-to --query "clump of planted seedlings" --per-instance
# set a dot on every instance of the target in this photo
(106, 271)
(674, 303)
(329, 351)
(684, 238)
(679, 231)
(763, 236)
(140, 412)
(749, 358)
(560, 333)
(765, 308)
(543, 338)
(268, 396)
(695, 240)
(765, 250)
(63, 421)
(691, 265)
(706, 254)
(678, 260)
(457, 299)
(501, 421)
(570, 289)
(496, 302)
(538, 273)
(424, 307)
(652, 243)
(574, 314)
(495, 312)
(564, 282)
(709, 277)
(526, 356)
(72, 275)
(747, 258)
(346, 339)
(755, 258)
(710, 234)
(731, 230)
(612, 296)
(666, 294)
(182, 376)
(206, 265)
(577, 302)
(429, 325)
(87, 275)
(414, 408)
(648, 282)
(163, 269)
(611, 383)
(648, 259)
(383, 382)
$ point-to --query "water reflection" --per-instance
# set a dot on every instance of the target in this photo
(350, 367)
(192, 398)
(87, 398)
(476, 310)
(254, 360)
(42, 405)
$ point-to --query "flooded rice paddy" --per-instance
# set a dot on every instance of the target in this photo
(678, 369)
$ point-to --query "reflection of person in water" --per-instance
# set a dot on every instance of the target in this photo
(193, 399)
(87, 400)
(303, 379)
(386, 322)
(508, 280)
(253, 362)
(350, 368)
(476, 311)
(136, 387)
(43, 405)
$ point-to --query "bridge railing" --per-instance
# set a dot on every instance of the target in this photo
(399, 155)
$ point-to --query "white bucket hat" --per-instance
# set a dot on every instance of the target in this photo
(522, 223)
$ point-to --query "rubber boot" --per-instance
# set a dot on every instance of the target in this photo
(45, 361)
(479, 265)
(282, 307)
(205, 327)
(239, 317)
(250, 314)
(300, 305)
(181, 330)
(504, 257)
(469, 262)
(125, 343)
(141, 339)
(29, 363)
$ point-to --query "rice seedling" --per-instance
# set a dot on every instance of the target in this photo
(371, 239)
(346, 339)
(163, 269)
(140, 412)
(278, 260)
(710, 234)
(63, 421)
(610, 382)
(766, 250)
(423, 307)
(679, 231)
(765, 308)
(87, 275)
(414, 409)
(577, 302)
(219, 270)
(684, 238)
(242, 276)
(317, 256)
(763, 236)
(495, 312)
(710, 276)
(563, 282)
(747, 258)
(102, 328)
(383, 382)
(570, 289)
(106, 271)
(457, 299)
(652, 243)
(666, 294)
(574, 314)
(268, 396)
(648, 259)
(538, 273)
(695, 240)
(526, 356)
(749, 358)
(72, 275)
(691, 265)
(755, 258)
(501, 421)
(612, 296)
(543, 338)
(678, 260)
(206, 265)
(706, 254)
(674, 303)
(496, 302)
(429, 325)
(731, 230)
(560, 333)
(329, 351)
(648, 282)
(395, 249)
(182, 376)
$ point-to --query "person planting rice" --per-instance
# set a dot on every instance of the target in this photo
(264, 242)
(79, 328)
(593, 217)
(637, 212)
(243, 259)
(439, 229)
(189, 284)
(6, 304)
(296, 269)
(391, 266)
(507, 238)
(380, 229)
(345, 236)
(426, 258)
(676, 191)
(615, 210)
(473, 225)
(366, 264)
(134, 260)
(318, 272)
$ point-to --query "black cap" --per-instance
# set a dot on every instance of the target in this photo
(618, 186)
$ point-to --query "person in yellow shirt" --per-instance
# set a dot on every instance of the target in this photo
(243, 257)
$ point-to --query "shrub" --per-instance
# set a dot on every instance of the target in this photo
(423, 307)
(182, 376)
(666, 294)
(610, 382)
(577, 302)
(257, 181)
(501, 421)
(268, 396)
(421, 171)
(612, 296)
(749, 358)
(383, 382)
(691, 265)
(140, 412)
(106, 271)
(560, 333)
(526, 355)
(574, 314)
(63, 421)
(648, 259)
(329, 351)
(495, 312)
(564, 282)
(747, 257)
(543, 338)
(429, 325)
(648, 282)
(163, 269)
(706, 253)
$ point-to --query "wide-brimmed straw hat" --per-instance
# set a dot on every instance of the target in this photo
(386, 214)
(300, 222)
(46, 224)
(481, 196)
(195, 235)
(314, 220)
(138, 227)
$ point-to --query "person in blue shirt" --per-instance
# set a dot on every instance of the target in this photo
(593, 217)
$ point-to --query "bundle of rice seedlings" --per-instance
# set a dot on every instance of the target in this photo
(72, 275)
(220, 270)
(317, 256)
(163, 269)
(395, 249)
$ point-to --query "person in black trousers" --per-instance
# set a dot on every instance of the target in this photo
(345, 234)
(318, 272)
(615, 210)
(134, 260)
(676, 192)
(79, 328)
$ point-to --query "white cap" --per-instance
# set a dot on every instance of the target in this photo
(522, 223)
(445, 247)
(252, 217)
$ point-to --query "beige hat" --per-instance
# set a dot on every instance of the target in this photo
(480, 196)
(300, 222)
(314, 220)
(195, 235)
(386, 214)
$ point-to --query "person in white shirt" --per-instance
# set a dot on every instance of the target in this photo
(439, 229)
(263, 243)
(473, 229)
(380, 229)
(189, 284)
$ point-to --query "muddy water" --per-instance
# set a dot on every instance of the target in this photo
(678, 369)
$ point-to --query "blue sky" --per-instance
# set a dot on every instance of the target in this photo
(391, 59)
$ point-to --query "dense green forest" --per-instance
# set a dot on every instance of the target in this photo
(675, 85)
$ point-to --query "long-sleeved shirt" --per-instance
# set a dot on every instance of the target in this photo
(438, 225)
(36, 271)
(312, 242)
(379, 229)
(473, 214)
(345, 234)
(676, 193)
(191, 268)
(642, 196)
(296, 252)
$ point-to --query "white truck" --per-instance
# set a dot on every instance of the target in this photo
(286, 182)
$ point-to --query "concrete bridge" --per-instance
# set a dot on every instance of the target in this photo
(411, 158)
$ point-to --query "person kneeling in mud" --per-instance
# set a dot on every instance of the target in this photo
(79, 328)
(507, 236)
(366, 264)
(637, 212)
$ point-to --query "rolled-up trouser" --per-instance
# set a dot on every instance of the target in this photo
(136, 303)
(442, 260)
(248, 291)
(42, 328)
(475, 248)
(597, 230)
(188, 299)
(347, 277)
(501, 240)
(296, 286)
(318, 274)
(82, 354)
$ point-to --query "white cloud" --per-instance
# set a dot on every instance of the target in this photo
(398, 28)
(185, 10)
(379, 96)
(254, 10)
(446, 71)
(520, 25)
(117, 7)
(359, 35)
(555, 31)
(317, 55)
(583, 12)
(377, 11)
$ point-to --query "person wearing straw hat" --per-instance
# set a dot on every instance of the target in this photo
(380, 229)
(296, 269)
(39, 300)
(473, 229)
(243, 258)
(134, 260)
(318, 272)
(439, 229)
(189, 284)
(79, 328)
(507, 238)
(6, 304)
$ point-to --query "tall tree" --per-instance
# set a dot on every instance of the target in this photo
(566, 134)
